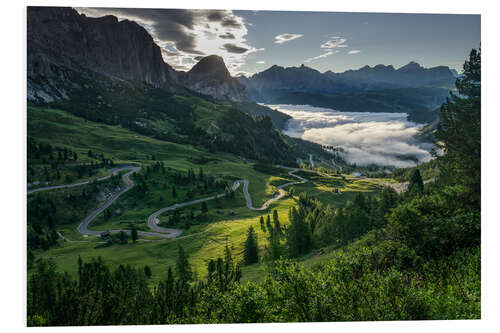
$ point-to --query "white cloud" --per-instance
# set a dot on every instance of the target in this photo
(261, 62)
(324, 55)
(367, 137)
(283, 38)
(334, 42)
(184, 35)
(354, 52)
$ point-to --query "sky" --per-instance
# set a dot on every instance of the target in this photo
(252, 41)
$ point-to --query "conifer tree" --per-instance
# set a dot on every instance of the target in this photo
(133, 233)
(262, 226)
(416, 183)
(251, 252)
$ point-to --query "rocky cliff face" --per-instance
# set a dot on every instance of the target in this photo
(211, 77)
(63, 44)
(61, 39)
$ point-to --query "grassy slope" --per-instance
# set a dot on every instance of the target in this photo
(202, 243)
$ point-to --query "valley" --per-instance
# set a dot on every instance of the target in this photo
(225, 223)
(166, 187)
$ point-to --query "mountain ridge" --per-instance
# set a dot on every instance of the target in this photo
(63, 44)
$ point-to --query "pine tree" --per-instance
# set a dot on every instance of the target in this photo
(277, 226)
(147, 272)
(298, 238)
(274, 249)
(251, 252)
(133, 233)
(262, 226)
(459, 130)
(174, 192)
(268, 223)
(416, 184)
(183, 267)
(200, 175)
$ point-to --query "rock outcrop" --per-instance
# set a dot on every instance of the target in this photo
(211, 77)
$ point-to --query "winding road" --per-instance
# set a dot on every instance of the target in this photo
(172, 233)
(153, 220)
(112, 172)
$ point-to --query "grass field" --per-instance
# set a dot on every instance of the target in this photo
(226, 222)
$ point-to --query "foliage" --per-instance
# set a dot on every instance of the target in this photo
(251, 254)
(459, 130)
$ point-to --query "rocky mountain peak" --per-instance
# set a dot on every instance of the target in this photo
(212, 65)
(211, 77)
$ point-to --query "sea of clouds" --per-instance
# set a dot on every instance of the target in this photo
(368, 138)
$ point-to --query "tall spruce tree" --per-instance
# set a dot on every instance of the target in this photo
(268, 223)
(298, 238)
(459, 130)
(416, 184)
(262, 226)
(251, 252)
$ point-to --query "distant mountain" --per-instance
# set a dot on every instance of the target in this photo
(211, 77)
(278, 81)
(65, 47)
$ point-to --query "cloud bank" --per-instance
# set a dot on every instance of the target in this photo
(385, 139)
(186, 35)
(283, 38)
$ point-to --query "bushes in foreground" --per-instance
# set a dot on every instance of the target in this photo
(351, 287)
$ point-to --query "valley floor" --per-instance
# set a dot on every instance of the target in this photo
(226, 222)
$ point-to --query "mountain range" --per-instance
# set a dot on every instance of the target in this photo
(277, 81)
(76, 60)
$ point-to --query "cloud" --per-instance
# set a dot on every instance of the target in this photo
(283, 38)
(233, 48)
(385, 139)
(231, 22)
(354, 52)
(324, 55)
(260, 62)
(334, 42)
(227, 35)
(184, 34)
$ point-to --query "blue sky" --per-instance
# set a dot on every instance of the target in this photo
(251, 41)
(430, 40)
